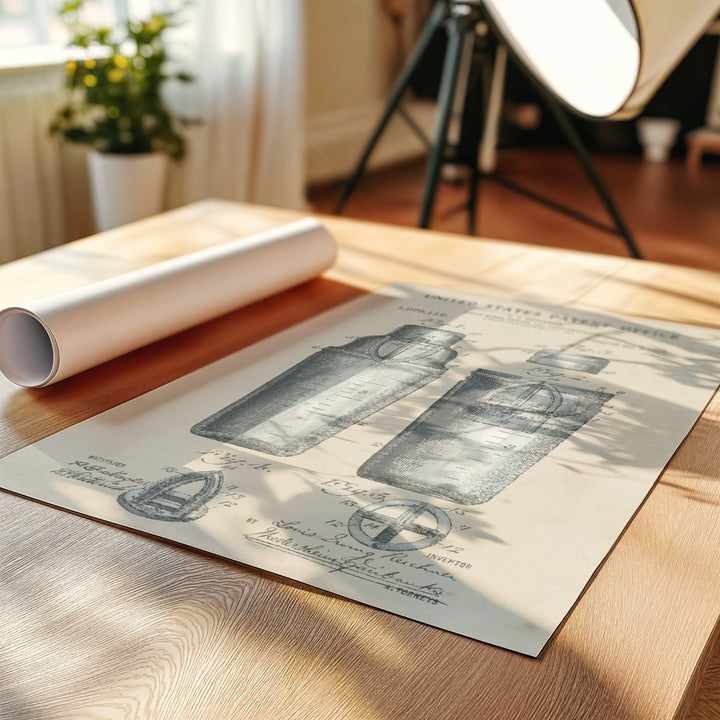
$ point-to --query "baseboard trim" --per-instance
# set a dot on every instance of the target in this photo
(334, 140)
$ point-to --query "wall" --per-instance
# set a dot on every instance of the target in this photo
(353, 53)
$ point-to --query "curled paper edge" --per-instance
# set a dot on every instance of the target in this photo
(47, 340)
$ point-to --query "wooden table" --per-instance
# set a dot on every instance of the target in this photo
(99, 622)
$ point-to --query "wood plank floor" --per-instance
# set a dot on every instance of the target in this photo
(674, 214)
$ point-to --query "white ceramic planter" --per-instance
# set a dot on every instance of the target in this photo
(126, 187)
(657, 136)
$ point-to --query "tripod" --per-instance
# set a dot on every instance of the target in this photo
(460, 18)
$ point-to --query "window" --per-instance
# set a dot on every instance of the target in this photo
(31, 33)
(26, 24)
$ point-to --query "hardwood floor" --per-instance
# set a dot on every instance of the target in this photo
(673, 213)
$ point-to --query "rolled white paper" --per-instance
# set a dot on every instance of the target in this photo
(50, 339)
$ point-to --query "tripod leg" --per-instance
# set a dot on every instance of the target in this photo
(457, 117)
(456, 27)
(434, 21)
(487, 157)
(482, 111)
(473, 192)
(577, 145)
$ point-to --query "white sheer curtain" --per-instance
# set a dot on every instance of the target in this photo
(248, 95)
(248, 60)
(32, 214)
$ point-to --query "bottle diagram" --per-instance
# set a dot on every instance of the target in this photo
(331, 390)
(482, 435)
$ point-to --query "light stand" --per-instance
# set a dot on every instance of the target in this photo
(460, 18)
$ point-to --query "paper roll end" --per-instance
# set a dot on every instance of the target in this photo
(28, 355)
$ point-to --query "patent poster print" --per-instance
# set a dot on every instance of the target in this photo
(463, 461)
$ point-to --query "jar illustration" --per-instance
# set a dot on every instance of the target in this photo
(482, 435)
(331, 390)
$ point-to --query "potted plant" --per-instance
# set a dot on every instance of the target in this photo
(114, 105)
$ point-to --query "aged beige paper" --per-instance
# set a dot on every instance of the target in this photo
(463, 461)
